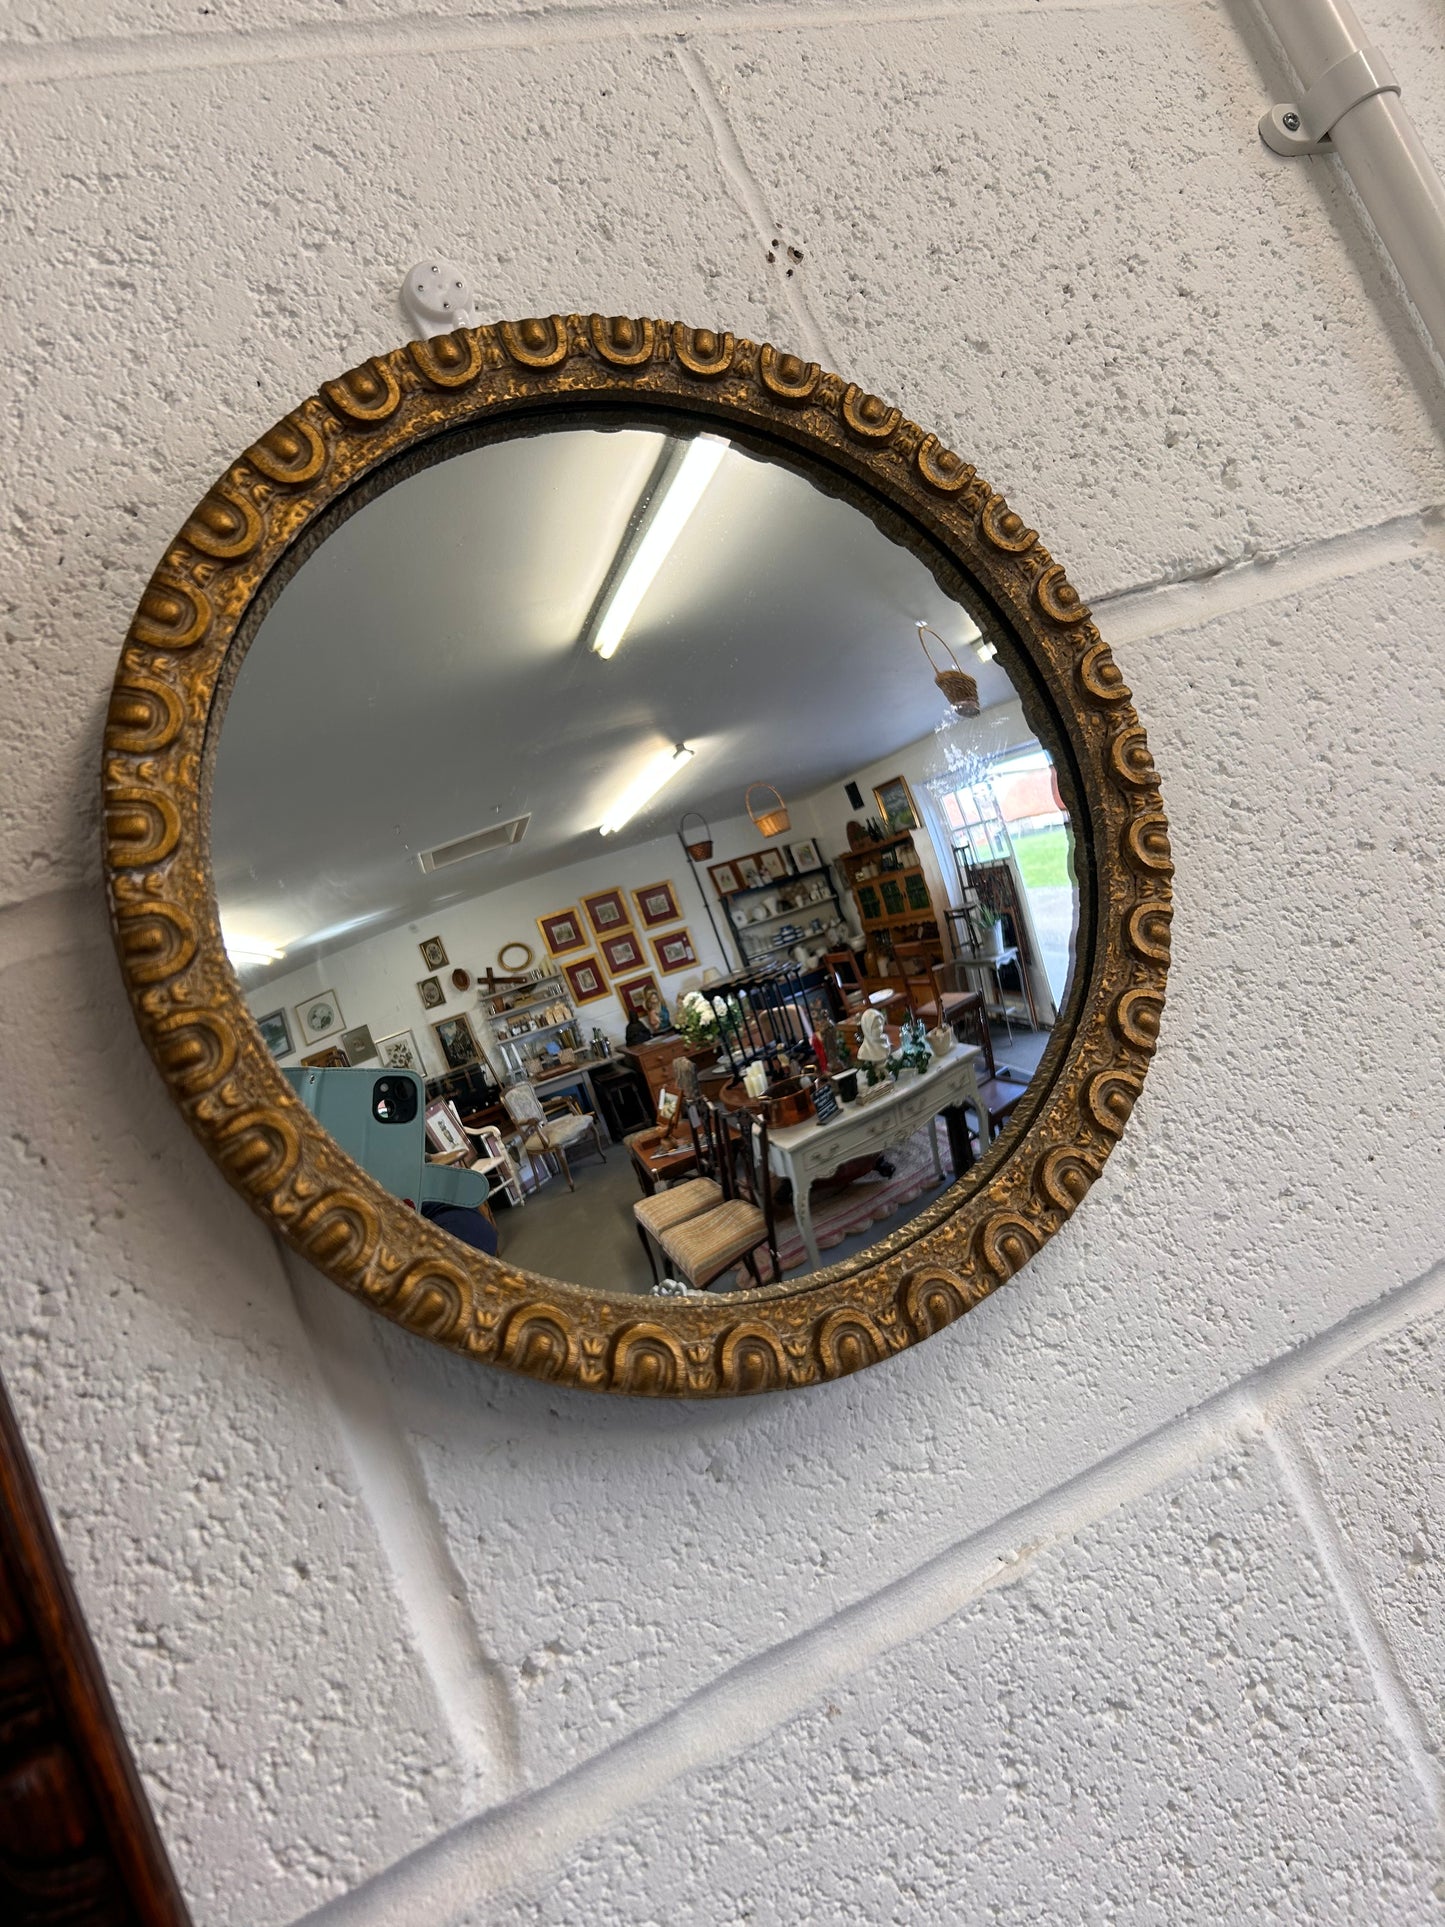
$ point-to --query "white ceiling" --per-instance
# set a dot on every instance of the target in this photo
(422, 677)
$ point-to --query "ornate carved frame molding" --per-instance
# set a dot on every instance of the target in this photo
(180, 658)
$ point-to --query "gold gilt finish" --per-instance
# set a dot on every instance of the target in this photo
(181, 655)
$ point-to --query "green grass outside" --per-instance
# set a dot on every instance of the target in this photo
(1043, 858)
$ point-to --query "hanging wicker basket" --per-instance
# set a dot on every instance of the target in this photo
(959, 688)
(768, 822)
(700, 847)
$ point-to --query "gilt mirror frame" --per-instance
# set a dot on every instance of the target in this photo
(184, 646)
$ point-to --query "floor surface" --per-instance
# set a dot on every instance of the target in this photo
(589, 1236)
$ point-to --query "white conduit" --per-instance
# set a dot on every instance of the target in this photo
(1373, 137)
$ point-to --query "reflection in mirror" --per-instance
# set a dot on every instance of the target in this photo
(639, 862)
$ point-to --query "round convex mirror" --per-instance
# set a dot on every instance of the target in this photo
(694, 881)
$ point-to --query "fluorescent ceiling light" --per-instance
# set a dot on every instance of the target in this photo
(659, 770)
(250, 950)
(670, 509)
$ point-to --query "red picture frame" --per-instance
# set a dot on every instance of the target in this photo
(607, 912)
(656, 904)
(623, 953)
(673, 952)
(586, 980)
(563, 932)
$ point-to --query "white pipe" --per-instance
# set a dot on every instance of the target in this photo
(1381, 152)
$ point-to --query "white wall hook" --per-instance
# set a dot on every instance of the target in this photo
(435, 298)
(1303, 126)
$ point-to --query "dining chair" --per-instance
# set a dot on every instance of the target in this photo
(916, 960)
(667, 1208)
(703, 1248)
(999, 1095)
(842, 967)
(549, 1131)
(496, 1157)
(952, 991)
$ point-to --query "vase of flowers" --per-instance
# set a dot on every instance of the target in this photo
(703, 1019)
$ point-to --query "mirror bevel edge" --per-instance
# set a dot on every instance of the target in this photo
(182, 651)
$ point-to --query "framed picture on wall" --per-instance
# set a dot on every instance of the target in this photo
(635, 994)
(607, 912)
(277, 1033)
(563, 932)
(674, 951)
(399, 1052)
(333, 1058)
(318, 1015)
(657, 904)
(805, 855)
(772, 864)
(724, 878)
(622, 953)
(359, 1045)
(458, 1041)
(429, 989)
(896, 806)
(434, 953)
(585, 980)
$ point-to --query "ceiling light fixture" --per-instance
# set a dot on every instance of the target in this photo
(676, 488)
(250, 950)
(985, 651)
(659, 770)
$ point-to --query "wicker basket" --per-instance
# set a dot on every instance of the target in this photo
(700, 849)
(959, 688)
(768, 822)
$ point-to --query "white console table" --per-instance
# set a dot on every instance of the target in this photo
(805, 1152)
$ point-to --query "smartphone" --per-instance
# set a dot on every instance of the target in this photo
(377, 1117)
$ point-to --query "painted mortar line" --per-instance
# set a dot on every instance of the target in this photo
(472, 1690)
(1132, 615)
(446, 1880)
(51, 923)
(749, 194)
(113, 56)
(1302, 1480)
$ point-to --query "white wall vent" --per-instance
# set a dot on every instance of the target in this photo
(496, 838)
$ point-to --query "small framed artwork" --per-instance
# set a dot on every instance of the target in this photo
(429, 989)
(622, 953)
(277, 1033)
(358, 1044)
(399, 1052)
(674, 952)
(563, 932)
(724, 878)
(331, 1059)
(772, 864)
(458, 1041)
(318, 1015)
(434, 953)
(606, 912)
(442, 1130)
(632, 996)
(585, 980)
(656, 905)
(749, 873)
(896, 806)
(805, 855)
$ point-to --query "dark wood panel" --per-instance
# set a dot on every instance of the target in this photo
(78, 1842)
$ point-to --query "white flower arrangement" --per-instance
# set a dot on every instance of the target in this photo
(701, 1018)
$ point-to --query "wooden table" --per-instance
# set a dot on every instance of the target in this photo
(655, 1162)
(805, 1152)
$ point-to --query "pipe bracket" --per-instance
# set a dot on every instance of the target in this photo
(1303, 126)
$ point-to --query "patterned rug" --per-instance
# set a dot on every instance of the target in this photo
(868, 1202)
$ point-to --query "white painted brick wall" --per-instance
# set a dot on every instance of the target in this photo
(1119, 1601)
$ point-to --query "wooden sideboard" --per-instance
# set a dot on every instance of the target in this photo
(654, 1059)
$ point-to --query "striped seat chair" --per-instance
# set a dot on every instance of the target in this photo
(708, 1245)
